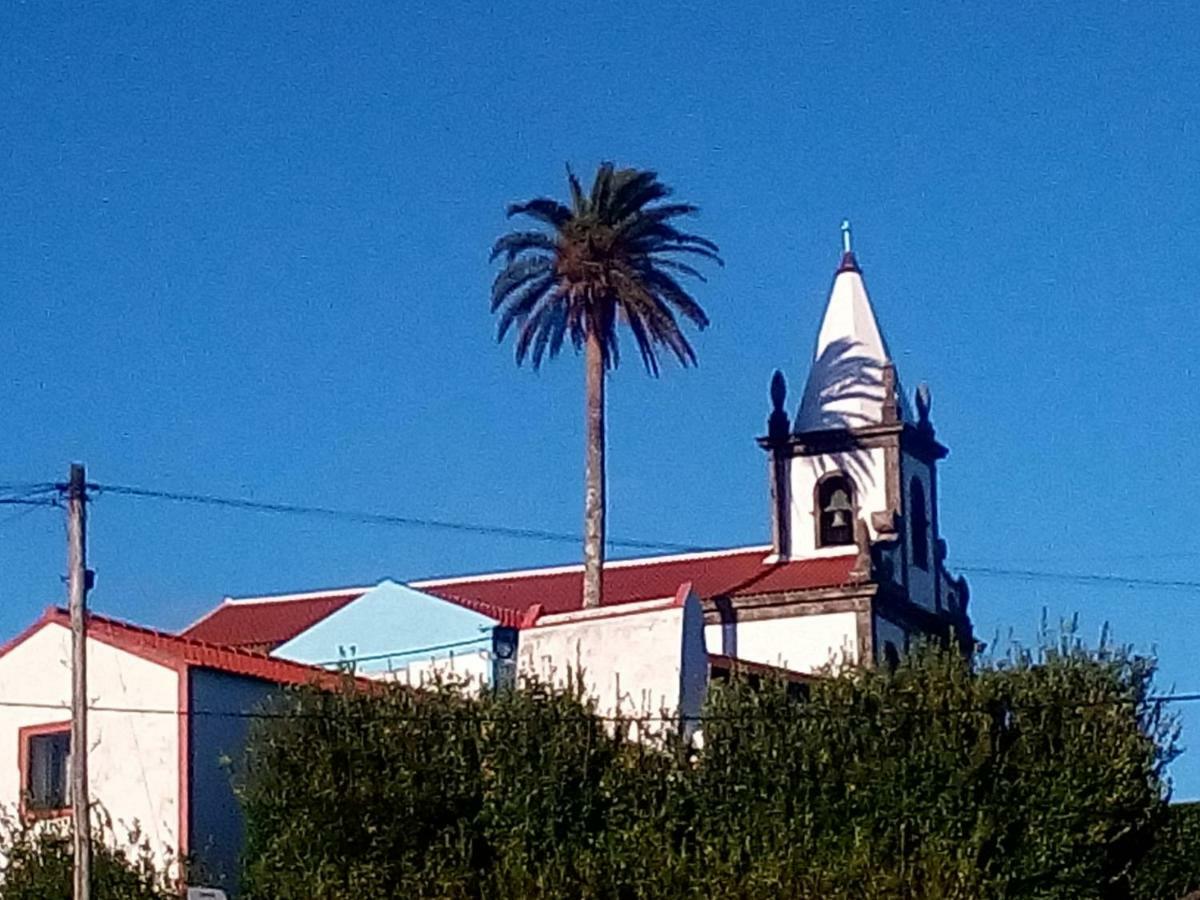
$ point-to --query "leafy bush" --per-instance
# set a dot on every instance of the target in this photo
(38, 863)
(1036, 775)
(1172, 869)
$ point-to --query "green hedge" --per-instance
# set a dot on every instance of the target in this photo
(38, 861)
(1031, 776)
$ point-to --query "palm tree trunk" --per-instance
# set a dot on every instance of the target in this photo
(593, 507)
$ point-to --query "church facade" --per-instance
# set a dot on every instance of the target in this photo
(857, 468)
(855, 572)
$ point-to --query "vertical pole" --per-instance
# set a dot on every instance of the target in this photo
(77, 601)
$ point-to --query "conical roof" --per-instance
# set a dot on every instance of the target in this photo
(847, 385)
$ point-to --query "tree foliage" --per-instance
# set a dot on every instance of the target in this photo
(1173, 867)
(1038, 775)
(613, 254)
(38, 861)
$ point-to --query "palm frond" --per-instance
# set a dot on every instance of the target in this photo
(651, 231)
(635, 192)
(673, 293)
(517, 273)
(522, 304)
(669, 211)
(543, 209)
(638, 300)
(675, 265)
(515, 243)
(645, 343)
(579, 203)
(550, 335)
(610, 259)
(602, 187)
(534, 329)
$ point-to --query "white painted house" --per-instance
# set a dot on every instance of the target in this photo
(163, 712)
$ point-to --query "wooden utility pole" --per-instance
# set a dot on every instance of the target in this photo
(77, 601)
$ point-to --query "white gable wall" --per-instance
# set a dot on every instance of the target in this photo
(134, 759)
(638, 663)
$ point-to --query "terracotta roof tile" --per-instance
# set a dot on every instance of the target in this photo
(268, 623)
(725, 574)
(173, 650)
(264, 624)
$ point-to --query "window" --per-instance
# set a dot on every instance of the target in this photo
(835, 511)
(920, 524)
(45, 752)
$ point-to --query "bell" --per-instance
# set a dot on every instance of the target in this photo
(839, 518)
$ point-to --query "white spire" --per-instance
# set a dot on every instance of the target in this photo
(846, 386)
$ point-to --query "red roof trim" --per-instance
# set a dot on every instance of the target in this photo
(174, 651)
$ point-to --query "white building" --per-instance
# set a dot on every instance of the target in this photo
(163, 713)
(855, 570)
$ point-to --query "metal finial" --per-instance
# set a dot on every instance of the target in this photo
(845, 235)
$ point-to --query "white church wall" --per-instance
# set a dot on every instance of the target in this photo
(800, 643)
(921, 582)
(133, 758)
(642, 662)
(865, 467)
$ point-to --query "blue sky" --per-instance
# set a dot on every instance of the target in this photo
(243, 252)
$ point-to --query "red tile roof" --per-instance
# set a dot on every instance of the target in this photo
(262, 624)
(173, 650)
(265, 623)
(727, 573)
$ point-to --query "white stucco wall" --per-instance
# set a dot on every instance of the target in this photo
(865, 467)
(920, 581)
(472, 667)
(800, 643)
(646, 662)
(133, 759)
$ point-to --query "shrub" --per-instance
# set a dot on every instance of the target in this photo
(38, 863)
(1035, 775)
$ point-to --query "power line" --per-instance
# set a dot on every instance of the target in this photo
(28, 496)
(798, 712)
(1080, 577)
(30, 487)
(374, 518)
(432, 648)
(17, 516)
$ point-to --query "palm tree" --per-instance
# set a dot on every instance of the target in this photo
(613, 256)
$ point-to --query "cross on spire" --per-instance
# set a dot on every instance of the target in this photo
(846, 236)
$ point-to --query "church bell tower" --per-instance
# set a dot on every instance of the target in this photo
(857, 467)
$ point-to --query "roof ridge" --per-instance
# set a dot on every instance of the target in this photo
(578, 567)
(300, 596)
(165, 636)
